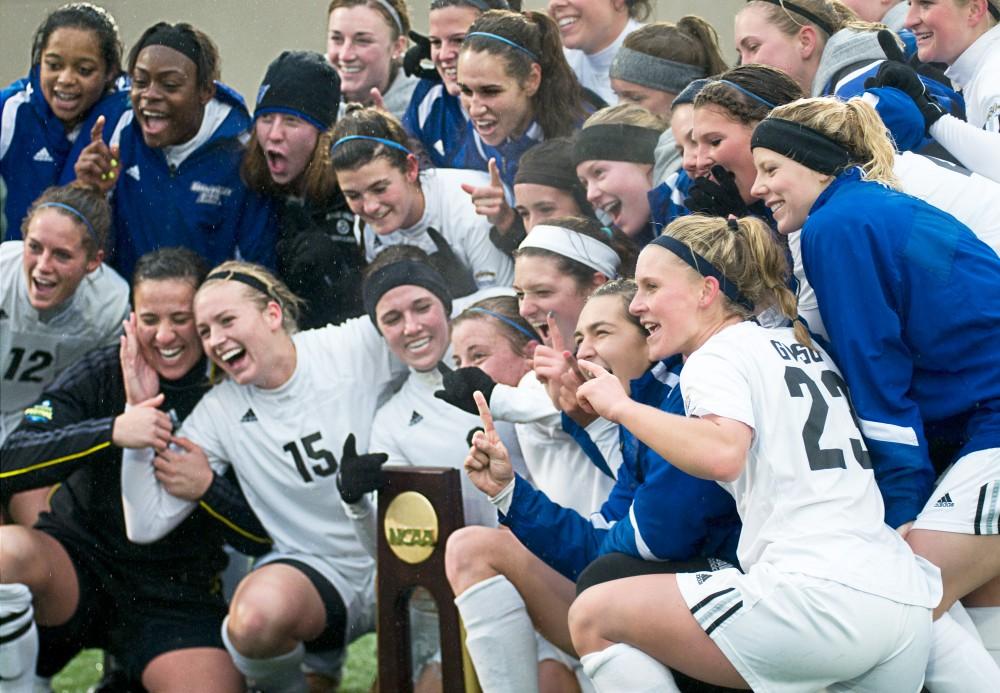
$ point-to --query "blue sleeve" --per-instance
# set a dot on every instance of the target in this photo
(862, 316)
(257, 232)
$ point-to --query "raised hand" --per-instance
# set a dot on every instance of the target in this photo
(491, 201)
(183, 470)
(717, 196)
(141, 381)
(143, 426)
(570, 382)
(359, 474)
(602, 394)
(97, 166)
(488, 463)
(896, 73)
(377, 100)
(461, 383)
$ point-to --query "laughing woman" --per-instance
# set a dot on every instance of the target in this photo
(366, 40)
(288, 159)
(398, 204)
(173, 160)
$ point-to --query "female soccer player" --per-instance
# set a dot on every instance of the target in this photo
(822, 570)
(173, 160)
(76, 59)
(59, 301)
(593, 32)
(288, 159)
(931, 397)
(79, 564)
(365, 43)
(397, 203)
(295, 407)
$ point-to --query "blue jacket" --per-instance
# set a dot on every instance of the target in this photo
(473, 153)
(201, 204)
(437, 120)
(655, 511)
(911, 300)
(35, 152)
(666, 200)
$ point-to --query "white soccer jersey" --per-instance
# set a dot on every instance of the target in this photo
(451, 213)
(285, 443)
(559, 467)
(417, 429)
(36, 347)
(807, 495)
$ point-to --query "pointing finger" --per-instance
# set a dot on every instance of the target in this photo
(555, 336)
(495, 180)
(484, 413)
(591, 369)
(97, 132)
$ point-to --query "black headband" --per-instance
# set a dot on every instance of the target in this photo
(799, 143)
(243, 278)
(705, 268)
(798, 9)
(551, 165)
(403, 273)
(182, 41)
(615, 142)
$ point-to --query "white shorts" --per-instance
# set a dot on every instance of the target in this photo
(790, 632)
(966, 499)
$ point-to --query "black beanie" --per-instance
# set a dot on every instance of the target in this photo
(302, 84)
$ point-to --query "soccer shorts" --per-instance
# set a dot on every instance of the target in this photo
(966, 499)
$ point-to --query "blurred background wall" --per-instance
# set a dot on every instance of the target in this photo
(250, 33)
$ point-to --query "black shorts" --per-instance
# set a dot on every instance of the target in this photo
(334, 636)
(134, 621)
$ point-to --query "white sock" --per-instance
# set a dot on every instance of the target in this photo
(958, 662)
(499, 636)
(987, 620)
(622, 667)
(961, 616)
(18, 639)
(281, 674)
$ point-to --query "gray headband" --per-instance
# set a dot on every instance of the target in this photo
(656, 73)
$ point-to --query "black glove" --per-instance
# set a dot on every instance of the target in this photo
(716, 198)
(307, 253)
(461, 383)
(359, 474)
(897, 74)
(416, 54)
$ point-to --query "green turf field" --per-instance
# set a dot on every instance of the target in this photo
(84, 671)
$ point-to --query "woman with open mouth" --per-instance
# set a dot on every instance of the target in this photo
(174, 159)
(965, 36)
(435, 116)
(294, 410)
(396, 203)
(365, 43)
(76, 62)
(80, 559)
(517, 90)
(592, 32)
(59, 300)
(913, 331)
(287, 159)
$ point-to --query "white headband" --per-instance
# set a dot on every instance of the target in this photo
(575, 246)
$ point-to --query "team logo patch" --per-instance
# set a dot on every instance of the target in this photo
(702, 578)
(210, 194)
(133, 171)
(945, 501)
(249, 417)
(39, 413)
(43, 156)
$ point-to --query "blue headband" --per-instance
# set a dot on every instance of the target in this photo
(527, 333)
(749, 93)
(501, 39)
(76, 213)
(705, 268)
(380, 140)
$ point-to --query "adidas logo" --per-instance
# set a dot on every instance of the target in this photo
(702, 578)
(249, 417)
(43, 155)
(945, 501)
(133, 171)
(415, 418)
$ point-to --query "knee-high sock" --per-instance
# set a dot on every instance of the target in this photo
(622, 667)
(987, 620)
(958, 662)
(499, 636)
(18, 639)
(281, 674)
(961, 616)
